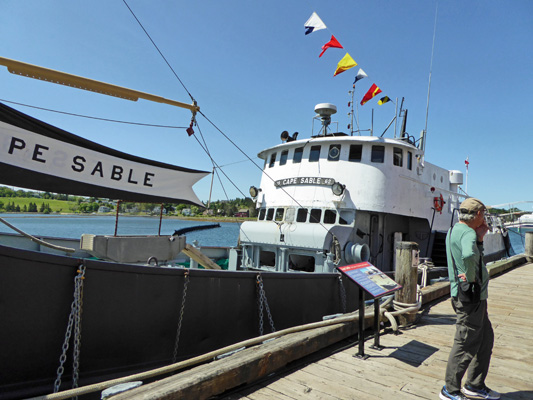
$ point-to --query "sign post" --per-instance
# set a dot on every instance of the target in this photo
(371, 280)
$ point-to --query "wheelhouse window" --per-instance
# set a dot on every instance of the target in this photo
(279, 214)
(397, 157)
(409, 160)
(316, 215)
(356, 153)
(314, 154)
(262, 213)
(270, 214)
(378, 154)
(334, 152)
(298, 153)
(301, 215)
(289, 214)
(272, 160)
(283, 157)
(330, 216)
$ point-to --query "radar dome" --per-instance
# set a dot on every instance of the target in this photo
(325, 109)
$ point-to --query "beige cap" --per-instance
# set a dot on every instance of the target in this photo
(471, 206)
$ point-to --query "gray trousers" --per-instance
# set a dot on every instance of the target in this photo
(472, 346)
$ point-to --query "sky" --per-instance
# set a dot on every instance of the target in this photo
(254, 74)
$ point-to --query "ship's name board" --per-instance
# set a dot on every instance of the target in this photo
(305, 180)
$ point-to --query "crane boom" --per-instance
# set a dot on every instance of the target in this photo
(62, 78)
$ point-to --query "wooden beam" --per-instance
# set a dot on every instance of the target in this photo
(62, 78)
(246, 366)
(199, 257)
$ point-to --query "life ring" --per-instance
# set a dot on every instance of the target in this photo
(439, 202)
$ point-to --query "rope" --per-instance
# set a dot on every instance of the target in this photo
(197, 360)
(96, 118)
(157, 48)
(400, 308)
(39, 241)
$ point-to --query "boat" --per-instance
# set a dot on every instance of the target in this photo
(326, 201)
(334, 199)
(524, 221)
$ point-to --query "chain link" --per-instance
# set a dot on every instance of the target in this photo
(263, 303)
(74, 323)
(342, 293)
(178, 332)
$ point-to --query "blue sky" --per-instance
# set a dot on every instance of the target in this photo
(254, 74)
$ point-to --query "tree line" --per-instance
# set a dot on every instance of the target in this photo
(31, 207)
(87, 205)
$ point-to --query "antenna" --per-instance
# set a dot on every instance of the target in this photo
(423, 144)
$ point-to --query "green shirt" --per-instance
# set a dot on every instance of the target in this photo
(467, 253)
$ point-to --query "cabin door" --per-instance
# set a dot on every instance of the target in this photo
(376, 240)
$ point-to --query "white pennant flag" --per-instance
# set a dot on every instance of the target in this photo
(314, 23)
(360, 75)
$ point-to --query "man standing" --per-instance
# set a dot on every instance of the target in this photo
(474, 337)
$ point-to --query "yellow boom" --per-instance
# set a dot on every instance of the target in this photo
(62, 78)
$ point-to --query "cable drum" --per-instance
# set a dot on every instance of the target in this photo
(356, 253)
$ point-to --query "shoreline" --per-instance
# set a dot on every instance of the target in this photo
(76, 215)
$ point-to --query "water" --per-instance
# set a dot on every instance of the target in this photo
(73, 226)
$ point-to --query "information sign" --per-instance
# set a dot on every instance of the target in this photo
(371, 279)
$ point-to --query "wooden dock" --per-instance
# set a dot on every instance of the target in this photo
(412, 364)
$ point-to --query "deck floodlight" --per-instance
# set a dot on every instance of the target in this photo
(338, 188)
(254, 191)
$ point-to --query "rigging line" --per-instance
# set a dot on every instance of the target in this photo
(157, 48)
(214, 162)
(236, 162)
(222, 185)
(258, 167)
(96, 118)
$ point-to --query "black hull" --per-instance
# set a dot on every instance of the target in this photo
(130, 315)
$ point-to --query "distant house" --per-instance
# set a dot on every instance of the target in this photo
(104, 209)
(186, 212)
(242, 213)
(157, 210)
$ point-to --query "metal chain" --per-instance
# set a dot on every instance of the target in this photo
(178, 332)
(74, 320)
(260, 304)
(77, 327)
(342, 293)
(263, 303)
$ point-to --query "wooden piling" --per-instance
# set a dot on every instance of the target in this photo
(529, 244)
(407, 276)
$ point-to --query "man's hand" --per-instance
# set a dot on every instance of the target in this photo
(481, 231)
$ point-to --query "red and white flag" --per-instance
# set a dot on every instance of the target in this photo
(467, 163)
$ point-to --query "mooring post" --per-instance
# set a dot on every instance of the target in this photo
(407, 276)
(529, 244)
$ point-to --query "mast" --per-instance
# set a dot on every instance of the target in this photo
(62, 78)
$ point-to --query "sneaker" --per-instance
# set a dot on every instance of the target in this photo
(445, 395)
(484, 393)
